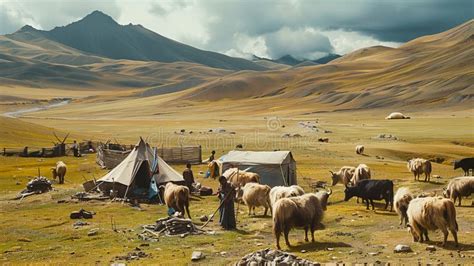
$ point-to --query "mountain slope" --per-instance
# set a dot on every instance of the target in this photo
(432, 71)
(99, 34)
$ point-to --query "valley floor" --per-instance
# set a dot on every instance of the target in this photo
(38, 229)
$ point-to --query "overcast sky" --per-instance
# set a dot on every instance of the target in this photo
(303, 28)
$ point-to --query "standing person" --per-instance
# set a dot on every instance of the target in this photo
(188, 177)
(75, 149)
(211, 158)
(226, 194)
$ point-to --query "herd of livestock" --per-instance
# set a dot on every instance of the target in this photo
(291, 207)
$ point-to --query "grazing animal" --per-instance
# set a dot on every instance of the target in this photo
(419, 166)
(239, 178)
(177, 197)
(360, 149)
(302, 211)
(323, 197)
(401, 200)
(59, 171)
(280, 192)
(370, 190)
(432, 213)
(465, 164)
(362, 172)
(255, 195)
(397, 115)
(344, 175)
(459, 187)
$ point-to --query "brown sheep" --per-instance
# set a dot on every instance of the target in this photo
(419, 166)
(432, 213)
(59, 171)
(344, 175)
(239, 178)
(255, 195)
(280, 192)
(459, 187)
(402, 199)
(177, 197)
(302, 211)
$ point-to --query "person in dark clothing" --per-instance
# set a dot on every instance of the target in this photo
(211, 158)
(188, 177)
(226, 194)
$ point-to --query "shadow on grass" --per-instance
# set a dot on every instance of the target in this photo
(450, 245)
(315, 246)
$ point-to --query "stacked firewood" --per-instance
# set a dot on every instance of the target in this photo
(39, 184)
(170, 226)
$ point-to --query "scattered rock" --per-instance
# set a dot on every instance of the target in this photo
(134, 255)
(79, 224)
(197, 255)
(93, 232)
(24, 239)
(144, 245)
(203, 218)
(223, 253)
(273, 257)
(303, 251)
(402, 248)
(373, 253)
(330, 249)
(431, 248)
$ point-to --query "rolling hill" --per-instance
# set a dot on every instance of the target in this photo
(432, 71)
(99, 34)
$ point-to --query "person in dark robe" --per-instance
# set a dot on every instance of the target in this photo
(226, 194)
(188, 177)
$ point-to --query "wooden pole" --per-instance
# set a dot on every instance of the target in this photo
(220, 205)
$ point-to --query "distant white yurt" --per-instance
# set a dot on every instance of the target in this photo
(397, 115)
(276, 168)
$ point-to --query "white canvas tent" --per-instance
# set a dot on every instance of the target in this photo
(138, 169)
(276, 168)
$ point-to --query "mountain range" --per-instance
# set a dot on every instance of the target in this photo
(96, 54)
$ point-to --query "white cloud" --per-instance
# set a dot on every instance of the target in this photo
(345, 41)
(304, 43)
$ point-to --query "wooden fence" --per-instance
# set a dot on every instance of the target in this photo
(181, 154)
(108, 159)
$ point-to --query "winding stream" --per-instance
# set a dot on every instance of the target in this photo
(21, 112)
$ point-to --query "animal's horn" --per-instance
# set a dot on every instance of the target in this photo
(329, 191)
(331, 172)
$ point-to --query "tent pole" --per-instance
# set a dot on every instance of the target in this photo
(126, 192)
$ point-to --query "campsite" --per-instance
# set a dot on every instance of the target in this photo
(102, 121)
(349, 233)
